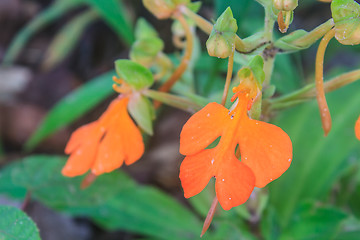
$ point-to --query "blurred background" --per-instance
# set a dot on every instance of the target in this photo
(49, 49)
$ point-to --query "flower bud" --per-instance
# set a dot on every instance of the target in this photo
(221, 42)
(346, 15)
(285, 5)
(144, 51)
(162, 9)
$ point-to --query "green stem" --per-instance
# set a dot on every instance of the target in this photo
(269, 24)
(309, 92)
(314, 35)
(174, 101)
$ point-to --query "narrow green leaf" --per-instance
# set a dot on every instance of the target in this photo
(16, 225)
(55, 11)
(72, 107)
(67, 38)
(114, 13)
(317, 161)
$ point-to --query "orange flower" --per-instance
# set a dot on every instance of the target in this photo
(357, 128)
(266, 151)
(105, 144)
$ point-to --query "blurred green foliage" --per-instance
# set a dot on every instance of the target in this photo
(317, 198)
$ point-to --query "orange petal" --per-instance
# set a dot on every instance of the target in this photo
(234, 183)
(110, 155)
(357, 129)
(132, 140)
(79, 135)
(203, 128)
(266, 149)
(81, 160)
(196, 171)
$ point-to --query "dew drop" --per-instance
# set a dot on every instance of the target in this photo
(223, 179)
(229, 198)
(256, 123)
(212, 161)
(271, 179)
(289, 160)
(208, 115)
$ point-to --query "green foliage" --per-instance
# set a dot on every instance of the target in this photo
(66, 39)
(16, 225)
(72, 107)
(318, 161)
(113, 12)
(55, 11)
(134, 74)
(114, 201)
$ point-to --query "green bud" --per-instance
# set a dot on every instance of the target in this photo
(194, 6)
(142, 111)
(285, 5)
(134, 74)
(144, 51)
(143, 29)
(346, 15)
(221, 41)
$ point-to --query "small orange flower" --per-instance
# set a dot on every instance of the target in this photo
(104, 145)
(266, 151)
(357, 128)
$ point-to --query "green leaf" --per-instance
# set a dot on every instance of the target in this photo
(16, 225)
(55, 11)
(66, 39)
(257, 67)
(318, 161)
(114, 201)
(7, 185)
(41, 175)
(72, 107)
(143, 112)
(311, 222)
(143, 29)
(113, 12)
(134, 74)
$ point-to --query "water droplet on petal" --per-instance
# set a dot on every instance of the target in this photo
(212, 161)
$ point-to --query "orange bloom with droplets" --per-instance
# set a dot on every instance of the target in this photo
(357, 129)
(265, 149)
(104, 145)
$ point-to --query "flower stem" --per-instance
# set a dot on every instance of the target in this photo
(309, 92)
(228, 77)
(186, 58)
(319, 82)
(209, 216)
(172, 100)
